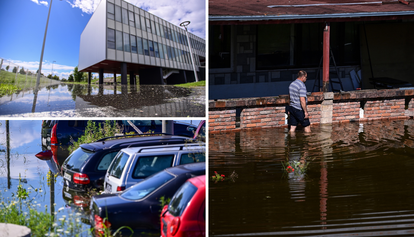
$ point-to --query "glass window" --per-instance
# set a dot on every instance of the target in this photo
(192, 158)
(127, 46)
(165, 51)
(161, 51)
(118, 165)
(124, 16)
(137, 22)
(219, 46)
(148, 23)
(118, 16)
(151, 48)
(131, 19)
(133, 44)
(111, 11)
(161, 30)
(77, 159)
(154, 31)
(145, 44)
(106, 161)
(147, 186)
(111, 38)
(166, 32)
(157, 53)
(177, 52)
(149, 165)
(158, 29)
(181, 199)
(119, 40)
(170, 55)
(143, 27)
(139, 43)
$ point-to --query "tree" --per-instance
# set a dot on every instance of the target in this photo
(55, 77)
(49, 76)
(70, 77)
(14, 69)
(7, 68)
(22, 71)
(78, 76)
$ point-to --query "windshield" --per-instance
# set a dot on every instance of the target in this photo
(77, 159)
(144, 188)
(118, 165)
(148, 165)
(181, 199)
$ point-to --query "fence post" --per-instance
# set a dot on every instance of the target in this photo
(15, 78)
(1, 64)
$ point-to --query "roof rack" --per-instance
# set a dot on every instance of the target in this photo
(181, 146)
(132, 135)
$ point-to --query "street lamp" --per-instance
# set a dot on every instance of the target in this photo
(52, 67)
(43, 48)
(185, 24)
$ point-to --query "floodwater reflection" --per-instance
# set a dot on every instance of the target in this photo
(74, 100)
(358, 181)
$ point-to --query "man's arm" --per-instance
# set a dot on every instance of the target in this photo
(303, 104)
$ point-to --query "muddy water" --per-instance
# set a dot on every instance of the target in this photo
(68, 100)
(359, 181)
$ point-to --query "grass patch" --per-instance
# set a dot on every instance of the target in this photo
(192, 84)
(21, 81)
(8, 89)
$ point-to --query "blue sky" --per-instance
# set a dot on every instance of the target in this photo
(23, 22)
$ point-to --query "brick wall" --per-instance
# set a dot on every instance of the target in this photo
(270, 111)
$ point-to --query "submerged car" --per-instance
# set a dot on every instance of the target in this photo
(186, 213)
(139, 206)
(86, 167)
(132, 165)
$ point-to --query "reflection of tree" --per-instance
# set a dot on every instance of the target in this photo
(79, 90)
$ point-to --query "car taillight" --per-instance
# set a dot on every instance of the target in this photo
(101, 225)
(54, 150)
(81, 178)
(175, 224)
(79, 201)
(120, 188)
(53, 136)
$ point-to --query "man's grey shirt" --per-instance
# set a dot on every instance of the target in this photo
(297, 89)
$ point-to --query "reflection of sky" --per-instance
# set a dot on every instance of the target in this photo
(24, 136)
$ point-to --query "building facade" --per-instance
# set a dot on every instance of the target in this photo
(256, 49)
(121, 38)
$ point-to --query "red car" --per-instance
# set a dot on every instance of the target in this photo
(185, 215)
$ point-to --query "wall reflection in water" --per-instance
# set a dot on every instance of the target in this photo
(357, 182)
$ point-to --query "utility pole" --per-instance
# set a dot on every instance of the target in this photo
(185, 24)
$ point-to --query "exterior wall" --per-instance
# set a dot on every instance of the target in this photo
(93, 43)
(270, 111)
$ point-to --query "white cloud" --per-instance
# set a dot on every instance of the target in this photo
(33, 66)
(174, 11)
(40, 3)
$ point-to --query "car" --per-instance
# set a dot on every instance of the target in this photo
(139, 206)
(132, 165)
(185, 215)
(86, 167)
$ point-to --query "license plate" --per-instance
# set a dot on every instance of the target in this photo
(108, 188)
(67, 176)
(68, 195)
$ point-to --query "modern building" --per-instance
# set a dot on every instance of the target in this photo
(256, 48)
(121, 38)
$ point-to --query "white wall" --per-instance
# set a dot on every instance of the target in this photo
(93, 38)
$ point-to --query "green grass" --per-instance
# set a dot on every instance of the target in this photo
(7, 89)
(10, 83)
(192, 84)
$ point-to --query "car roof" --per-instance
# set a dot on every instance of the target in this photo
(125, 142)
(198, 181)
(191, 167)
(166, 148)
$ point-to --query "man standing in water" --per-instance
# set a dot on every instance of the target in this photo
(298, 100)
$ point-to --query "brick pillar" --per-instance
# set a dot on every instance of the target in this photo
(327, 107)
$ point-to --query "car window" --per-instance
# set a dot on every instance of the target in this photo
(118, 165)
(146, 187)
(148, 165)
(181, 199)
(77, 159)
(192, 157)
(106, 161)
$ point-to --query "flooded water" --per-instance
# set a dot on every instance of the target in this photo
(69, 100)
(358, 182)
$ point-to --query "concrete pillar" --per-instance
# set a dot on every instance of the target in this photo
(101, 76)
(327, 107)
(89, 78)
(326, 47)
(168, 126)
(151, 76)
(124, 80)
(177, 78)
(132, 78)
(115, 78)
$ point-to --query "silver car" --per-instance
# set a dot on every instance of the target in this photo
(132, 165)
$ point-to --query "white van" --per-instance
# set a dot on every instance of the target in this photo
(132, 165)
